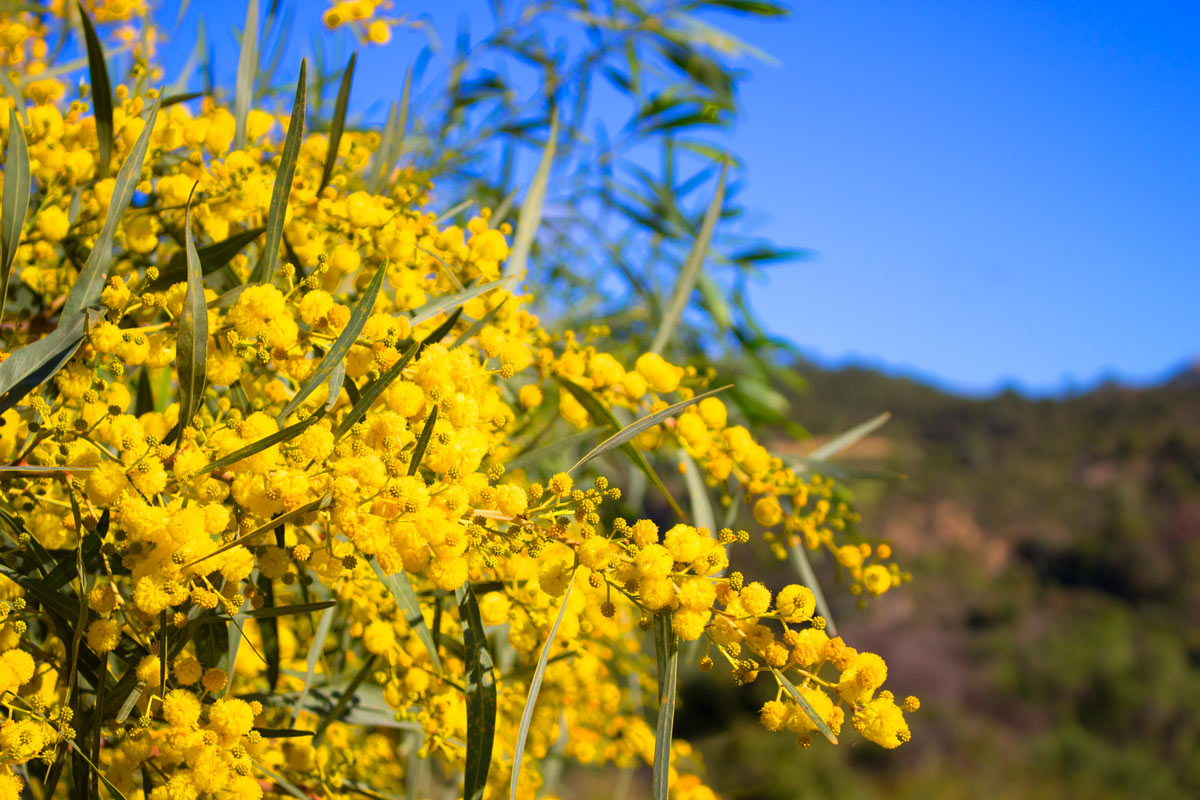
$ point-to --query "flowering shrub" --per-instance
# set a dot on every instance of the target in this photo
(282, 496)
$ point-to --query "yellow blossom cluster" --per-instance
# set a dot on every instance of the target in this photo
(321, 565)
(361, 16)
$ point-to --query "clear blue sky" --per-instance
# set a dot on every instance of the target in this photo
(997, 192)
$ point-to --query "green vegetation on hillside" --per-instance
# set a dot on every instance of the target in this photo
(1053, 629)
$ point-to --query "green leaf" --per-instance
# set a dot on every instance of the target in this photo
(447, 302)
(478, 325)
(535, 686)
(130, 702)
(666, 648)
(33, 364)
(481, 696)
(538, 454)
(14, 92)
(602, 416)
(391, 143)
(346, 339)
(246, 70)
(337, 379)
(102, 104)
(212, 258)
(530, 216)
(423, 442)
(314, 656)
(192, 345)
(15, 203)
(630, 432)
(692, 268)
(212, 643)
(282, 519)
(282, 733)
(280, 436)
(370, 394)
(834, 469)
(702, 510)
(176, 99)
(850, 437)
(343, 702)
(272, 612)
(406, 600)
(268, 629)
(805, 705)
(339, 121)
(755, 7)
(714, 300)
(283, 184)
(87, 287)
(283, 783)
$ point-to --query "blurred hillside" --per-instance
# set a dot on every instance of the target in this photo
(1052, 629)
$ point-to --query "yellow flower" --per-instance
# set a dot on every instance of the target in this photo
(52, 223)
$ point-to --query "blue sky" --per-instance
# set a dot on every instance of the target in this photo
(998, 193)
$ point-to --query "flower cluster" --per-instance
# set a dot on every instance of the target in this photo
(279, 588)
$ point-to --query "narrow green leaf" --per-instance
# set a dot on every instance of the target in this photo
(33, 364)
(378, 167)
(14, 92)
(176, 99)
(530, 215)
(535, 686)
(339, 121)
(15, 203)
(833, 469)
(268, 629)
(455, 211)
(212, 258)
(282, 519)
(447, 302)
(130, 702)
(235, 644)
(102, 104)
(850, 437)
(337, 353)
(212, 643)
(478, 325)
(283, 783)
(272, 612)
(392, 143)
(423, 442)
(692, 267)
(370, 394)
(282, 733)
(798, 555)
(539, 454)
(343, 702)
(602, 416)
(191, 347)
(337, 379)
(87, 287)
(481, 696)
(406, 600)
(283, 184)
(280, 436)
(666, 648)
(755, 7)
(314, 656)
(246, 70)
(714, 300)
(805, 705)
(630, 432)
(702, 510)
